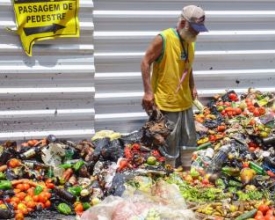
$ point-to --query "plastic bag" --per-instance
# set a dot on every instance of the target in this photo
(162, 202)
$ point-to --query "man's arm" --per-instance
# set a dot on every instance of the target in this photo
(192, 86)
(152, 53)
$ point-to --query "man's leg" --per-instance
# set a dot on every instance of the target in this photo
(173, 138)
(188, 137)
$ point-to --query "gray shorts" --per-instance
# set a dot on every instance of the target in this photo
(183, 135)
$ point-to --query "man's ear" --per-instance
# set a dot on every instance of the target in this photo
(182, 23)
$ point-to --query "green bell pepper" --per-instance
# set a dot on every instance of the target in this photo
(78, 165)
(5, 184)
(75, 190)
(65, 209)
(2, 176)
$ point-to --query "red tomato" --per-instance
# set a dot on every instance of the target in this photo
(245, 164)
(251, 108)
(263, 208)
(238, 111)
(256, 112)
(270, 212)
(13, 162)
(252, 122)
(233, 96)
(259, 215)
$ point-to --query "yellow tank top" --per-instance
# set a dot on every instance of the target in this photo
(171, 95)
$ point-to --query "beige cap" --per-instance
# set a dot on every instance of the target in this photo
(195, 16)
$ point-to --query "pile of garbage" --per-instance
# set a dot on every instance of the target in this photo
(115, 176)
(236, 155)
(39, 178)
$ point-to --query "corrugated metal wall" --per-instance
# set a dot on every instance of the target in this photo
(51, 92)
(72, 87)
(237, 53)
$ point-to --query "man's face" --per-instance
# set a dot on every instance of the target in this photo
(188, 34)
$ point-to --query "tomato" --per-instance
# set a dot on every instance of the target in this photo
(35, 198)
(262, 110)
(238, 111)
(23, 208)
(21, 195)
(47, 204)
(252, 122)
(230, 114)
(259, 216)
(19, 216)
(228, 109)
(221, 128)
(256, 112)
(269, 217)
(31, 204)
(251, 108)
(13, 162)
(245, 164)
(251, 149)
(50, 185)
(270, 212)
(30, 191)
(205, 181)
(32, 142)
(19, 186)
(42, 198)
(16, 191)
(212, 138)
(26, 186)
(47, 195)
(78, 208)
(28, 198)
(15, 199)
(233, 96)
(263, 208)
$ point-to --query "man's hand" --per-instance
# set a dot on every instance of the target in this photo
(194, 93)
(148, 103)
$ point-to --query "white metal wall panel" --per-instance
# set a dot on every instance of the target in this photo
(237, 53)
(51, 92)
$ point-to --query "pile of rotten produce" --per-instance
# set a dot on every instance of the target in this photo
(232, 172)
(114, 176)
(52, 176)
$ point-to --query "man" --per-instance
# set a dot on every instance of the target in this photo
(171, 87)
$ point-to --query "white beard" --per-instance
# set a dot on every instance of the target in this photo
(187, 36)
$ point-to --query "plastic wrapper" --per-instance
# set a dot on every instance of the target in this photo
(162, 201)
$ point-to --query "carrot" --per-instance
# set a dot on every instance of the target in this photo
(32, 183)
(3, 168)
(67, 174)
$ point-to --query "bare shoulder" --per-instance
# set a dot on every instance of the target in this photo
(157, 42)
(155, 48)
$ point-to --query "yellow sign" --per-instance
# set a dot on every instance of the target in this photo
(45, 19)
